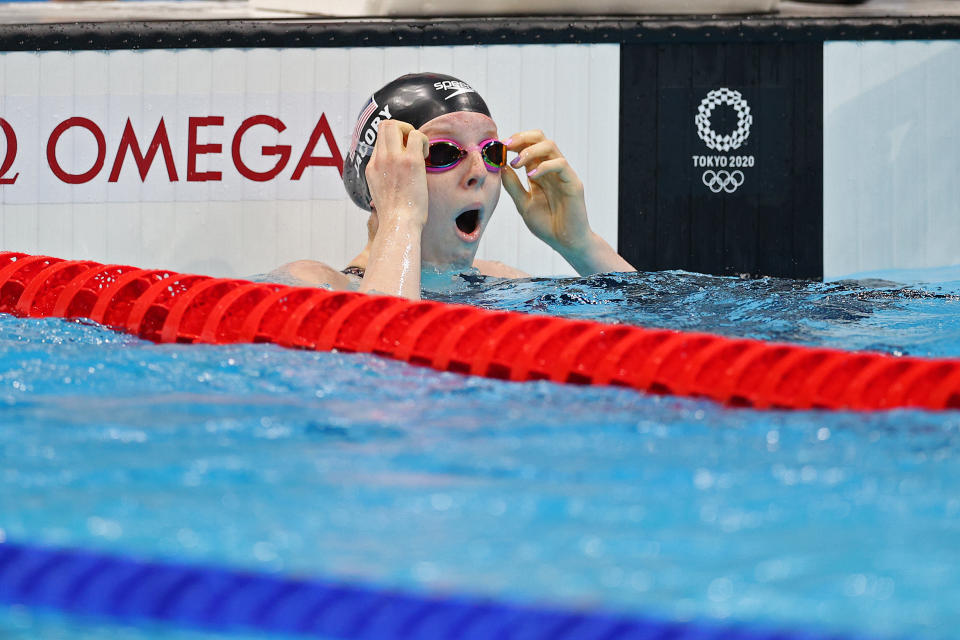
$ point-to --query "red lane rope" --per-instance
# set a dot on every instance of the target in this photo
(164, 306)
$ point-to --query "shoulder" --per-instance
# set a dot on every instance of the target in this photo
(498, 269)
(315, 274)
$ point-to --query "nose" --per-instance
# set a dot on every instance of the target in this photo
(476, 172)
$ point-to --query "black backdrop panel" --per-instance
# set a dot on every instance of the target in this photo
(721, 158)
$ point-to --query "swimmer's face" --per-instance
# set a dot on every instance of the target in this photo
(463, 198)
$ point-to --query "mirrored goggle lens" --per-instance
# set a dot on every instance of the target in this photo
(494, 153)
(443, 154)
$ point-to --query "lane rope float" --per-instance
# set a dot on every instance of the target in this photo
(165, 306)
(129, 590)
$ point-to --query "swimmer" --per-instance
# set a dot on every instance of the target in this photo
(427, 162)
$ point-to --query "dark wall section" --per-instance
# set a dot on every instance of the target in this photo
(741, 189)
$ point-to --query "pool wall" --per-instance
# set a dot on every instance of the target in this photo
(201, 205)
(891, 134)
(791, 145)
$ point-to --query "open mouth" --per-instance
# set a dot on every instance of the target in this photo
(468, 222)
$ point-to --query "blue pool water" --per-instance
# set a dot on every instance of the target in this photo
(355, 467)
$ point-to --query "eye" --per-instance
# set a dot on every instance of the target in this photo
(495, 153)
(443, 154)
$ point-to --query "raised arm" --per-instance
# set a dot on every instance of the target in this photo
(554, 208)
(398, 188)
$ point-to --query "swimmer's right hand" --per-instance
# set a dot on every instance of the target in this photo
(397, 175)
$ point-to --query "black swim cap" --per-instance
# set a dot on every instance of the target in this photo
(416, 98)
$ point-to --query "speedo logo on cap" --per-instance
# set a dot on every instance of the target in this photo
(456, 86)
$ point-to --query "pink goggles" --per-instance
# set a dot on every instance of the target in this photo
(446, 154)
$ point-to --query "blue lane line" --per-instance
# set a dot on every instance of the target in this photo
(127, 590)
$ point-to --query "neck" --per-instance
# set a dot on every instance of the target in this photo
(446, 267)
(362, 258)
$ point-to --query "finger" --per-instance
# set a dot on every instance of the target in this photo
(388, 135)
(391, 138)
(533, 155)
(405, 130)
(418, 143)
(557, 166)
(524, 139)
(515, 188)
(392, 134)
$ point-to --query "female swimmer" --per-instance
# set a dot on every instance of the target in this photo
(427, 162)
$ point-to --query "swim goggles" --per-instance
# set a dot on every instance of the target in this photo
(446, 154)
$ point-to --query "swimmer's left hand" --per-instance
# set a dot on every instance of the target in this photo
(554, 208)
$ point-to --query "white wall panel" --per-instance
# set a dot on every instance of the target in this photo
(537, 112)
(159, 100)
(602, 154)
(3, 110)
(262, 95)
(366, 68)
(22, 90)
(891, 134)
(336, 227)
(295, 91)
(55, 229)
(501, 240)
(20, 223)
(126, 99)
(127, 242)
(158, 236)
(235, 226)
(258, 223)
(193, 99)
(89, 223)
(293, 229)
(572, 107)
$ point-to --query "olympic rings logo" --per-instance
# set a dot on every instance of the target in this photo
(705, 110)
(718, 181)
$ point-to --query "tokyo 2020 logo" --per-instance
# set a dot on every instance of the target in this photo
(716, 177)
(705, 128)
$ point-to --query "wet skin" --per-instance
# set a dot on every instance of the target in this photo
(435, 220)
(470, 185)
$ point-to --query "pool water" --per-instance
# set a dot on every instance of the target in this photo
(355, 467)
